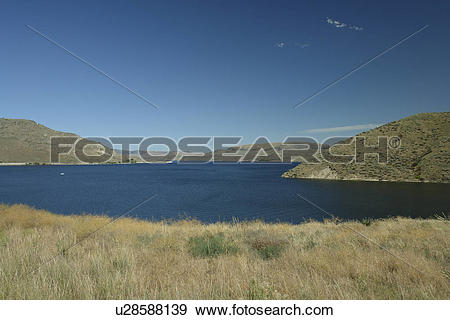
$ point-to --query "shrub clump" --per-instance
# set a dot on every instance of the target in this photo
(267, 246)
(366, 221)
(211, 245)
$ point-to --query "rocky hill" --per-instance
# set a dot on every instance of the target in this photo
(25, 141)
(423, 155)
(265, 152)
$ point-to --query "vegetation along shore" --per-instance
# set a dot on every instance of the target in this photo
(135, 259)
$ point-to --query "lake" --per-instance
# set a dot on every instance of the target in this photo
(213, 192)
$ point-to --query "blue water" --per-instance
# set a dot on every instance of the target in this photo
(213, 192)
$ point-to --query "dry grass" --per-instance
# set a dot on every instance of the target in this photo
(133, 259)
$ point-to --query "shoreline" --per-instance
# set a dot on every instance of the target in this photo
(363, 180)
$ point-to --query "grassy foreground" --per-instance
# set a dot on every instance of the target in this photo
(133, 259)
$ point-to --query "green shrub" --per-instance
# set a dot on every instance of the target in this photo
(266, 245)
(211, 245)
(268, 249)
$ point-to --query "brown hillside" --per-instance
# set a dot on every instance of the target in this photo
(25, 141)
(423, 156)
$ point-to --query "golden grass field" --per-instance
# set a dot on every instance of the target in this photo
(134, 259)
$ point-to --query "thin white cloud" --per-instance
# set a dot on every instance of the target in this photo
(356, 28)
(344, 128)
(283, 44)
(339, 24)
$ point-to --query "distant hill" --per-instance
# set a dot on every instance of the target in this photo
(423, 156)
(25, 141)
(266, 152)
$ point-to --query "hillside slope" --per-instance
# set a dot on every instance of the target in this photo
(25, 141)
(423, 156)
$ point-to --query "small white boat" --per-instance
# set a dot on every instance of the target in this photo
(61, 173)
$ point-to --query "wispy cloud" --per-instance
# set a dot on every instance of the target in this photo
(339, 25)
(283, 44)
(356, 28)
(344, 128)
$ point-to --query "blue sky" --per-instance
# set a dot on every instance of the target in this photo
(222, 67)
